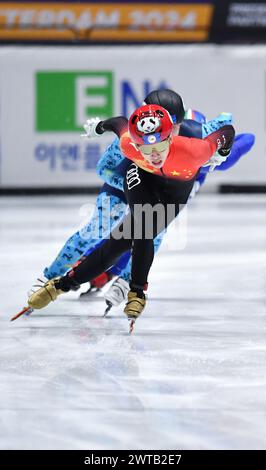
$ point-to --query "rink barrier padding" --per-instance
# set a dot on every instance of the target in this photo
(242, 189)
(66, 191)
(49, 191)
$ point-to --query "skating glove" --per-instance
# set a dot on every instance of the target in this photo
(216, 160)
(90, 128)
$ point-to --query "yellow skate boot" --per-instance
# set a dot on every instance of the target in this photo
(46, 293)
(43, 296)
(134, 307)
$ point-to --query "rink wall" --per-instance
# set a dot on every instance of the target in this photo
(46, 93)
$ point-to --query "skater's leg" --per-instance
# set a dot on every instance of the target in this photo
(125, 273)
(108, 212)
(164, 196)
(117, 292)
(100, 259)
(122, 264)
(151, 216)
(87, 268)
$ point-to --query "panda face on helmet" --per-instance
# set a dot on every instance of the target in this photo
(150, 124)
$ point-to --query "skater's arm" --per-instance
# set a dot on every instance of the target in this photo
(108, 163)
(242, 145)
(118, 125)
(221, 140)
(94, 127)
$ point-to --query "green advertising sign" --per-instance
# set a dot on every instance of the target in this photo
(65, 100)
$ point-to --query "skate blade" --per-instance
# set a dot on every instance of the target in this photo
(131, 326)
(108, 308)
(24, 311)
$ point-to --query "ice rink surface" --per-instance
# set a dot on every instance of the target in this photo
(193, 374)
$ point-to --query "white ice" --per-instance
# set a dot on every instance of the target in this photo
(193, 374)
